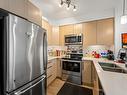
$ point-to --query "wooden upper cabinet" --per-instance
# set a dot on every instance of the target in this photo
(77, 28)
(61, 35)
(63, 31)
(105, 32)
(99, 32)
(34, 14)
(68, 29)
(18, 7)
(4, 4)
(48, 29)
(89, 34)
(55, 35)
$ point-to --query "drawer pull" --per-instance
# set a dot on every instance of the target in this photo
(49, 67)
(49, 76)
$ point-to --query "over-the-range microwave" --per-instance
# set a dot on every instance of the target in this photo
(74, 39)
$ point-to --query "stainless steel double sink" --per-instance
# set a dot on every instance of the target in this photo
(112, 67)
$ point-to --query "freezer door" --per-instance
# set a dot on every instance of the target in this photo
(25, 53)
(37, 87)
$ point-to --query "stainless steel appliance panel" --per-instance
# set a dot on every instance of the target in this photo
(25, 52)
(37, 87)
(74, 39)
(18, 67)
(72, 71)
(38, 64)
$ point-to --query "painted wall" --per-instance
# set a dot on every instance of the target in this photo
(119, 28)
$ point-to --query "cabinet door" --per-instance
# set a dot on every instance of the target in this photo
(59, 68)
(95, 81)
(69, 29)
(51, 71)
(87, 74)
(77, 28)
(34, 14)
(105, 32)
(48, 28)
(4, 4)
(61, 35)
(55, 35)
(18, 7)
(89, 33)
(65, 30)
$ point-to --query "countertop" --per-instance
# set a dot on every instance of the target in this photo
(113, 83)
(54, 57)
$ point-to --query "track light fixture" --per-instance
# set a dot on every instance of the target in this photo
(68, 4)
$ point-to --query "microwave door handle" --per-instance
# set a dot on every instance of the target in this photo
(23, 91)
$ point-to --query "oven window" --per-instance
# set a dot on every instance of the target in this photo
(71, 66)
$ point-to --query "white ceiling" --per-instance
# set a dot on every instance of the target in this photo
(51, 10)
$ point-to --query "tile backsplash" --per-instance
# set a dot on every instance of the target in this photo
(56, 50)
(99, 49)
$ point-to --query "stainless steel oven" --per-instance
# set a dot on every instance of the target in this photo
(72, 71)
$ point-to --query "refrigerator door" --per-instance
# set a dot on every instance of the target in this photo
(37, 87)
(38, 66)
(25, 53)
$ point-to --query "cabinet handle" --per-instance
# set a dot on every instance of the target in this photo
(49, 76)
(49, 67)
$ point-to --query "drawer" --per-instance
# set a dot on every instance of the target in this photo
(49, 71)
(49, 79)
(49, 64)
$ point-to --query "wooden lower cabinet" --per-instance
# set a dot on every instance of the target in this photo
(96, 82)
(59, 68)
(51, 71)
(87, 74)
(97, 88)
(90, 78)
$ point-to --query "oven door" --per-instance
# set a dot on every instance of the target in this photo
(71, 71)
(71, 66)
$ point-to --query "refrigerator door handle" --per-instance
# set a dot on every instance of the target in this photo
(45, 50)
(24, 90)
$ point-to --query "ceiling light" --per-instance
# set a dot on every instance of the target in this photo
(124, 16)
(68, 3)
(61, 3)
(68, 7)
(74, 9)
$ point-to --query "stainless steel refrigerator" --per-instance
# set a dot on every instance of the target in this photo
(23, 56)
